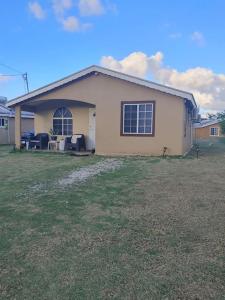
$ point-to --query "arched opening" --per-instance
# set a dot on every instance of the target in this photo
(63, 122)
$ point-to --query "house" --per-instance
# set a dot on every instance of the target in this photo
(207, 129)
(118, 113)
(7, 123)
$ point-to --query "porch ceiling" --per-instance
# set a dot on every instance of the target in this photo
(39, 104)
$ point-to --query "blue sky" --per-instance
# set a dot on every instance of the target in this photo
(179, 43)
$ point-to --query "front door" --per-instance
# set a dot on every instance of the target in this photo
(91, 134)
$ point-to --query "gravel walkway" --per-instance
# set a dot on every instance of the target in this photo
(85, 173)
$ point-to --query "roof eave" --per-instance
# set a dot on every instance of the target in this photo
(115, 74)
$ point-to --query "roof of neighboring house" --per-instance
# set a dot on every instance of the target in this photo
(7, 112)
(108, 72)
(205, 123)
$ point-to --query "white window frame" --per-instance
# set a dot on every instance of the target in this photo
(214, 128)
(137, 126)
(62, 119)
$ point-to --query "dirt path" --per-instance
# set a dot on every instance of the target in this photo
(81, 175)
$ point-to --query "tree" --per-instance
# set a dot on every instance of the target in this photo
(221, 117)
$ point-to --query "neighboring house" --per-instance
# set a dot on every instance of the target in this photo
(117, 113)
(207, 129)
(7, 124)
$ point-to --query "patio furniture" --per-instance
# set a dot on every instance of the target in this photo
(53, 145)
(40, 141)
(61, 145)
(25, 139)
(75, 142)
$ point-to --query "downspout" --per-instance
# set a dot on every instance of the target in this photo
(9, 141)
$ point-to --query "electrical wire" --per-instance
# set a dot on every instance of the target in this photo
(10, 68)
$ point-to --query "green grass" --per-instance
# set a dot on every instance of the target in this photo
(153, 229)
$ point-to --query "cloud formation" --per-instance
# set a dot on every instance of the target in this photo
(72, 23)
(91, 7)
(198, 38)
(208, 87)
(60, 7)
(36, 9)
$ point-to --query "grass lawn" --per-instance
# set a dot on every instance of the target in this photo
(153, 229)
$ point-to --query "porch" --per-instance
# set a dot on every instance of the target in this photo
(62, 122)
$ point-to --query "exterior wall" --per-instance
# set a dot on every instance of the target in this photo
(44, 119)
(7, 135)
(204, 132)
(107, 93)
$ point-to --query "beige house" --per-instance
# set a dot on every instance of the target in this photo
(118, 113)
(7, 124)
(207, 129)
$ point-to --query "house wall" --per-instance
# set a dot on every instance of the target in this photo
(7, 135)
(107, 93)
(44, 119)
(204, 132)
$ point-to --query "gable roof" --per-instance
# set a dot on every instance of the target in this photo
(206, 123)
(108, 72)
(7, 112)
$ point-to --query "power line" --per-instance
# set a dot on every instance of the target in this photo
(11, 68)
(24, 75)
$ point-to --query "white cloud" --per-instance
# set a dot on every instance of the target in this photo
(69, 23)
(72, 24)
(60, 6)
(198, 38)
(91, 7)
(137, 63)
(207, 86)
(36, 9)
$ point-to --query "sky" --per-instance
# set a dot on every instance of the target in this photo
(176, 43)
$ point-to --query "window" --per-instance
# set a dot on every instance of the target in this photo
(214, 131)
(62, 122)
(3, 123)
(137, 118)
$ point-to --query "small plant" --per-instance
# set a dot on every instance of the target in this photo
(51, 132)
(164, 151)
(196, 149)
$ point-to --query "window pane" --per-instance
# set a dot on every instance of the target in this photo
(141, 130)
(127, 129)
(134, 108)
(148, 122)
(133, 123)
(67, 113)
(148, 129)
(141, 115)
(134, 129)
(142, 107)
(127, 123)
(148, 107)
(141, 122)
(127, 108)
(148, 115)
(57, 126)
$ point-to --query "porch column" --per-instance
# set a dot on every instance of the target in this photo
(18, 126)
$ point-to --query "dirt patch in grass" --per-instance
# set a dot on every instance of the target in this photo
(83, 174)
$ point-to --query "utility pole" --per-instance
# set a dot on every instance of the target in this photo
(25, 78)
